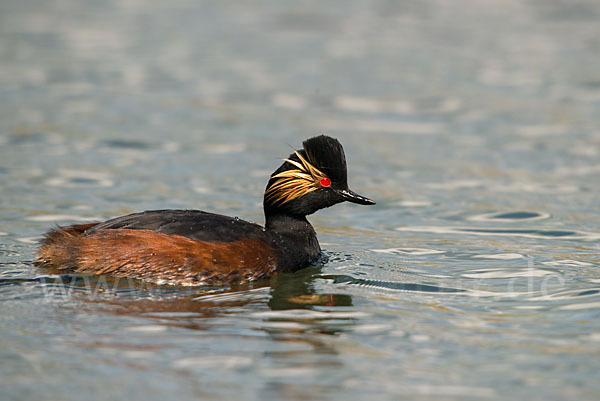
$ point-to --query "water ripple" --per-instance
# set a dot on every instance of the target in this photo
(580, 306)
(392, 285)
(78, 178)
(516, 232)
(408, 251)
(567, 262)
(302, 315)
(128, 144)
(61, 217)
(500, 256)
(571, 294)
(417, 106)
(382, 126)
(509, 216)
(507, 273)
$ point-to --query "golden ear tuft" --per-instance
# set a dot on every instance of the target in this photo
(295, 183)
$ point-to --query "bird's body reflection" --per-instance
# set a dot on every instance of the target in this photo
(190, 307)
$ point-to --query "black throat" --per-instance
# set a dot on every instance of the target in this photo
(294, 238)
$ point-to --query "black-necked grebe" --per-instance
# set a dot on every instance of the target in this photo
(193, 247)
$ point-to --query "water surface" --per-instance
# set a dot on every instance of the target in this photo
(474, 127)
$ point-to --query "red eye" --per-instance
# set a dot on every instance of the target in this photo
(325, 182)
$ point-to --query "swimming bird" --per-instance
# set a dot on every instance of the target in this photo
(193, 247)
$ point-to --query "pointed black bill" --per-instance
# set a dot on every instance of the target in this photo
(353, 197)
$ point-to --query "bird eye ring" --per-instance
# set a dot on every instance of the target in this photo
(325, 182)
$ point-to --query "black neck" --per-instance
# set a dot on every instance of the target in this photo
(296, 237)
(287, 224)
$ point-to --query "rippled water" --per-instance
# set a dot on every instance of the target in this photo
(474, 126)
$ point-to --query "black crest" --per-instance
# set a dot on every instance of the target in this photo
(327, 154)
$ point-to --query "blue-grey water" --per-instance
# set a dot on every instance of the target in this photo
(475, 125)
